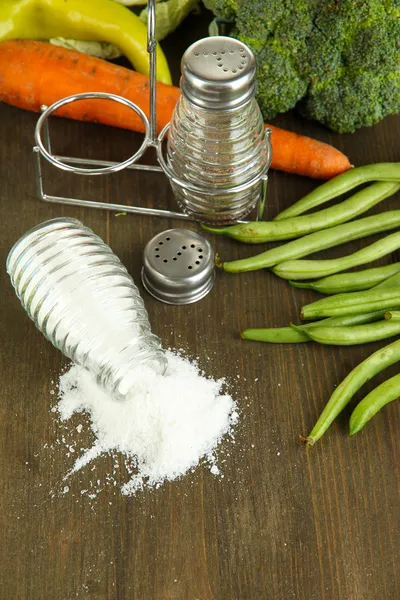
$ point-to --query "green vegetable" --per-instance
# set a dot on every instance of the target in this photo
(288, 335)
(350, 336)
(320, 240)
(373, 402)
(275, 335)
(97, 49)
(307, 269)
(88, 20)
(350, 282)
(392, 315)
(272, 231)
(336, 61)
(352, 303)
(342, 184)
(370, 367)
(169, 15)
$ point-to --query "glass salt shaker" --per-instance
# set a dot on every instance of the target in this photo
(81, 297)
(217, 140)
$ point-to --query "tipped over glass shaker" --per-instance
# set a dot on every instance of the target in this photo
(81, 297)
(217, 141)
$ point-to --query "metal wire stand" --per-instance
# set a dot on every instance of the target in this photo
(85, 166)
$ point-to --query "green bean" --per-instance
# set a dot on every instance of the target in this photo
(352, 303)
(374, 364)
(390, 282)
(307, 269)
(372, 403)
(320, 240)
(351, 336)
(392, 315)
(287, 335)
(341, 184)
(275, 335)
(273, 231)
(350, 282)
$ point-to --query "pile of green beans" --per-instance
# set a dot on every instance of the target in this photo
(321, 240)
(359, 307)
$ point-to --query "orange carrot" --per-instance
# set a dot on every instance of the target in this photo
(303, 155)
(33, 74)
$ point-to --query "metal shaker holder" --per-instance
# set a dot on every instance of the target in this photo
(82, 166)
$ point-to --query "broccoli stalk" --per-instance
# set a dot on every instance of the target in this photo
(336, 61)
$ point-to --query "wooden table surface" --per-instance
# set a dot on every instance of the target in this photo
(283, 522)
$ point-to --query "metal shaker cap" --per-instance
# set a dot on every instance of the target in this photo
(178, 266)
(218, 72)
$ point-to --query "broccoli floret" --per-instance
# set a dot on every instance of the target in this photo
(337, 61)
(353, 99)
(275, 63)
(225, 9)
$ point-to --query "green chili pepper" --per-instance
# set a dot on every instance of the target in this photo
(351, 336)
(373, 402)
(341, 184)
(314, 242)
(97, 20)
(287, 335)
(370, 367)
(350, 282)
(307, 269)
(274, 231)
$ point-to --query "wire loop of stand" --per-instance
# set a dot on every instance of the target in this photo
(98, 167)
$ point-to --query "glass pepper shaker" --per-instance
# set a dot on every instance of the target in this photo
(217, 141)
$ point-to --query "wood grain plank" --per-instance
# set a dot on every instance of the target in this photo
(283, 522)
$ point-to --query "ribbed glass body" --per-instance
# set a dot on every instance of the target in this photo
(81, 297)
(218, 149)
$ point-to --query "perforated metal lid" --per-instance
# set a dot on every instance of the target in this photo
(178, 266)
(218, 72)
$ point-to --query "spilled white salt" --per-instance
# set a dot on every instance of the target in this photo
(165, 429)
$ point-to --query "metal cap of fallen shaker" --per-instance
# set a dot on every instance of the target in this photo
(218, 72)
(178, 266)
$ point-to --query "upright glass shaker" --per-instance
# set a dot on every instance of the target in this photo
(81, 297)
(217, 139)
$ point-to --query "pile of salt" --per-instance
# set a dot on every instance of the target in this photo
(166, 427)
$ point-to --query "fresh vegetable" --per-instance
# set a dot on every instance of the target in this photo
(392, 315)
(352, 303)
(321, 240)
(275, 335)
(307, 269)
(350, 336)
(272, 231)
(288, 335)
(169, 15)
(97, 20)
(370, 367)
(336, 61)
(97, 49)
(303, 155)
(342, 184)
(350, 282)
(372, 403)
(33, 74)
